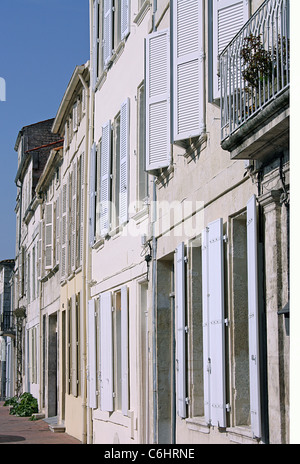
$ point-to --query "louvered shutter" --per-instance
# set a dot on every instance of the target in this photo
(106, 352)
(92, 188)
(92, 400)
(124, 162)
(73, 217)
(48, 236)
(57, 231)
(81, 208)
(213, 324)
(158, 137)
(217, 325)
(95, 43)
(40, 248)
(188, 62)
(107, 30)
(125, 18)
(105, 170)
(229, 16)
(64, 243)
(124, 349)
(75, 117)
(180, 332)
(205, 323)
(74, 346)
(254, 365)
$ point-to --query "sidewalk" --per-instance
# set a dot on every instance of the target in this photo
(22, 431)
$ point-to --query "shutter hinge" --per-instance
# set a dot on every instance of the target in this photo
(228, 407)
(186, 329)
(208, 366)
(187, 400)
(225, 238)
(186, 259)
(112, 309)
(114, 394)
(226, 322)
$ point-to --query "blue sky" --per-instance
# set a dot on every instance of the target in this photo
(41, 42)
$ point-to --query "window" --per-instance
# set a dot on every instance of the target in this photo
(142, 175)
(32, 354)
(74, 353)
(48, 236)
(109, 162)
(246, 356)
(114, 381)
(80, 208)
(115, 203)
(111, 25)
(194, 295)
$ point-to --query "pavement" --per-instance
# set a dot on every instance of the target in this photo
(22, 431)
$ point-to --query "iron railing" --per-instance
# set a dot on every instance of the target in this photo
(255, 66)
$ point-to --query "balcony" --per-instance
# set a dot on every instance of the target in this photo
(7, 324)
(255, 83)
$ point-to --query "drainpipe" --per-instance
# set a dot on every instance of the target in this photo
(154, 271)
(84, 298)
(89, 419)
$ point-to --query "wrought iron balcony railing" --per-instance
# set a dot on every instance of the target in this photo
(255, 66)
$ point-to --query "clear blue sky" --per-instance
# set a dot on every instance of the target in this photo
(41, 42)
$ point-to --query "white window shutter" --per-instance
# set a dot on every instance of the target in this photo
(92, 399)
(75, 117)
(158, 135)
(213, 323)
(48, 236)
(64, 234)
(229, 16)
(73, 217)
(124, 161)
(254, 365)
(124, 349)
(105, 170)
(106, 352)
(92, 186)
(188, 71)
(95, 45)
(57, 232)
(205, 323)
(125, 18)
(40, 251)
(180, 332)
(81, 208)
(74, 345)
(107, 30)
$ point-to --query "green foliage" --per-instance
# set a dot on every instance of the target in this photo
(257, 60)
(22, 406)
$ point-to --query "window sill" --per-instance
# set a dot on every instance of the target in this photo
(142, 12)
(198, 424)
(141, 214)
(241, 435)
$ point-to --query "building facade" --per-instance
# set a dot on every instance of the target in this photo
(7, 331)
(34, 144)
(72, 123)
(160, 230)
(206, 331)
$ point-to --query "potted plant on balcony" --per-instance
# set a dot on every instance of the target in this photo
(257, 63)
(261, 66)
